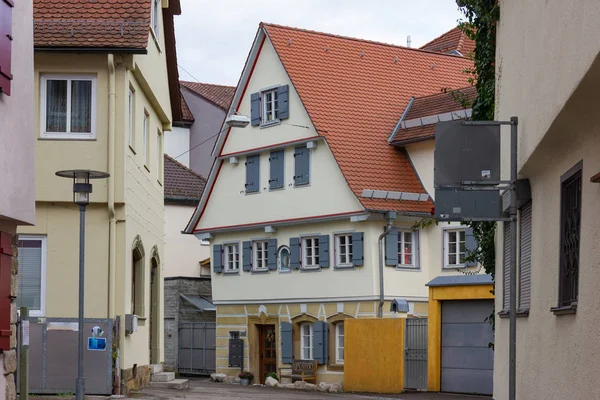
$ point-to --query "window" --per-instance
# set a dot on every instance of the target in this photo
(454, 248)
(159, 155)
(570, 225)
(406, 249)
(156, 18)
(310, 253)
(68, 107)
(32, 274)
(260, 255)
(339, 343)
(270, 113)
(306, 333)
(283, 259)
(137, 283)
(343, 250)
(269, 106)
(146, 144)
(131, 118)
(232, 257)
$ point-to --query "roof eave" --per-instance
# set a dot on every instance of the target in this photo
(402, 143)
(74, 49)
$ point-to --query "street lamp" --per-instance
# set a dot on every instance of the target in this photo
(81, 195)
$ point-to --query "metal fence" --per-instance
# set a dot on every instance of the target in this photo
(197, 348)
(415, 350)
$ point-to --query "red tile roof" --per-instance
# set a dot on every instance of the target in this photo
(181, 183)
(454, 39)
(354, 92)
(219, 95)
(414, 134)
(59, 23)
(186, 114)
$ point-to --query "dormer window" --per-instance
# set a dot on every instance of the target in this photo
(269, 106)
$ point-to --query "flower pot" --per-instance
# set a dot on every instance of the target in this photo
(244, 382)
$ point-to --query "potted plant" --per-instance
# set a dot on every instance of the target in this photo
(246, 377)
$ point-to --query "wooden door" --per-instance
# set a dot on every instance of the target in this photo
(267, 351)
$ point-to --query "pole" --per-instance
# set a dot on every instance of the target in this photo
(80, 382)
(24, 355)
(513, 262)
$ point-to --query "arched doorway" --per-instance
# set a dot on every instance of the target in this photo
(154, 325)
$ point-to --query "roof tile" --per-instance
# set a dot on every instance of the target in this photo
(219, 95)
(453, 40)
(181, 182)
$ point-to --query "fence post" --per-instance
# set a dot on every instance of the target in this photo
(24, 355)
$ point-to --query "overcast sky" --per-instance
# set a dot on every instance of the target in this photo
(214, 37)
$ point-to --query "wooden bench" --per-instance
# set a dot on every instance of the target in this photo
(305, 370)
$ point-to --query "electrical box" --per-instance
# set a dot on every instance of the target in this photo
(460, 205)
(466, 153)
(131, 323)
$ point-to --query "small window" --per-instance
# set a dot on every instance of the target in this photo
(406, 249)
(343, 250)
(310, 253)
(283, 259)
(454, 248)
(32, 274)
(306, 331)
(159, 156)
(260, 255)
(232, 257)
(131, 126)
(68, 107)
(138, 283)
(146, 143)
(270, 113)
(156, 18)
(339, 343)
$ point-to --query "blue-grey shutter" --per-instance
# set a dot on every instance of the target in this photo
(272, 254)
(417, 249)
(255, 108)
(358, 258)
(320, 333)
(324, 251)
(391, 248)
(302, 166)
(525, 257)
(506, 267)
(247, 255)
(470, 245)
(217, 258)
(276, 167)
(283, 108)
(252, 173)
(287, 349)
(295, 253)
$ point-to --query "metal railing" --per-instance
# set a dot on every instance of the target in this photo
(87, 26)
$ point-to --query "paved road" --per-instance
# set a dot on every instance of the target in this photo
(204, 389)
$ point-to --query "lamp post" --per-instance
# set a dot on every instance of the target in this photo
(81, 196)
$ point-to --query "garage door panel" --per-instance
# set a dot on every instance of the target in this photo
(478, 335)
(466, 311)
(467, 381)
(467, 357)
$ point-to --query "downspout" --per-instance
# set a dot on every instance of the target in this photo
(388, 228)
(112, 231)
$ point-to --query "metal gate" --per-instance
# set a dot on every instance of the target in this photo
(197, 348)
(415, 354)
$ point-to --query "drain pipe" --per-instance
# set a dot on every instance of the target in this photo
(112, 231)
(389, 216)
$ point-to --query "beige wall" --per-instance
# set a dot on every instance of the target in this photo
(17, 197)
(183, 253)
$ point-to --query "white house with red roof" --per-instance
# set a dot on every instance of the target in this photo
(297, 201)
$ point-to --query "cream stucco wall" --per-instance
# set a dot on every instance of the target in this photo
(183, 253)
(421, 156)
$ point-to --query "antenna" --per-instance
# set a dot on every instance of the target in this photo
(408, 41)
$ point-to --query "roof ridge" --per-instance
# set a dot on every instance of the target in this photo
(181, 81)
(333, 35)
(440, 36)
(187, 169)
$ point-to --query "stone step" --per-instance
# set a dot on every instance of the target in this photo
(156, 368)
(174, 384)
(163, 377)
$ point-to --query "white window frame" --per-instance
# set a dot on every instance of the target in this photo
(314, 245)
(401, 242)
(43, 92)
(260, 256)
(42, 311)
(156, 7)
(146, 143)
(347, 250)
(263, 107)
(231, 249)
(310, 342)
(131, 118)
(446, 254)
(339, 326)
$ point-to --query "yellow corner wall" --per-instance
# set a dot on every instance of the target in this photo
(374, 355)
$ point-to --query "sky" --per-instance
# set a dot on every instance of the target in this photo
(214, 37)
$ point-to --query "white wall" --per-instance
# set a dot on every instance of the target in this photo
(177, 142)
(183, 253)
(421, 156)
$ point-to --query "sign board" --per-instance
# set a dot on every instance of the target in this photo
(96, 344)
(461, 205)
(466, 153)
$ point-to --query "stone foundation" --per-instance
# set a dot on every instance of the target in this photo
(135, 378)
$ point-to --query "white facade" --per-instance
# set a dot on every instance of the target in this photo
(183, 253)
(177, 144)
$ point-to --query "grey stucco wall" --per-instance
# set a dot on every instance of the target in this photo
(208, 121)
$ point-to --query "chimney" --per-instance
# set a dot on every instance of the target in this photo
(408, 41)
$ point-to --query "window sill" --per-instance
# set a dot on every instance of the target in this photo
(236, 272)
(310, 269)
(520, 314)
(259, 271)
(289, 271)
(453, 267)
(66, 136)
(407, 268)
(350, 266)
(270, 124)
(570, 309)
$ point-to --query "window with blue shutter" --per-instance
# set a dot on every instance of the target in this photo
(320, 342)
(470, 245)
(358, 249)
(302, 166)
(295, 253)
(282, 102)
(391, 248)
(247, 256)
(276, 169)
(217, 258)
(252, 173)
(272, 254)
(255, 108)
(324, 251)
(287, 349)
